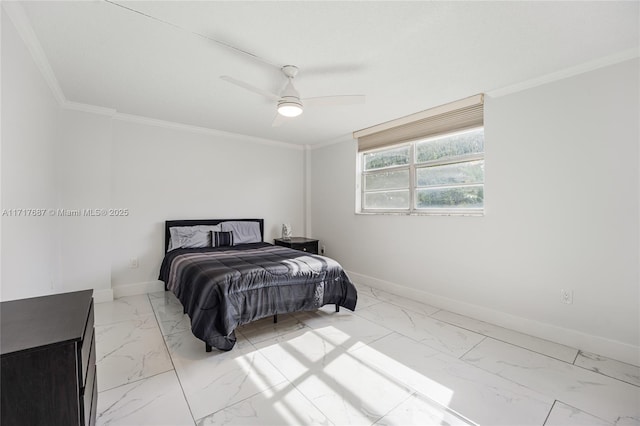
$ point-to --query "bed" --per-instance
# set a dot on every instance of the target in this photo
(223, 283)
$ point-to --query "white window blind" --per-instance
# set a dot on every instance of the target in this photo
(455, 116)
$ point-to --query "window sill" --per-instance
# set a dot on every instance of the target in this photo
(430, 213)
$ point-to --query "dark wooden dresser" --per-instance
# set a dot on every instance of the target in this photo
(47, 361)
(299, 243)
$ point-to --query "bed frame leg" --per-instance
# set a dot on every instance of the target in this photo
(275, 319)
(337, 308)
(207, 347)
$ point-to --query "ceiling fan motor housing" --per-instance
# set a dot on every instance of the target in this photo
(289, 104)
(290, 70)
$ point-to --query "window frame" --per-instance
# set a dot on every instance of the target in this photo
(413, 187)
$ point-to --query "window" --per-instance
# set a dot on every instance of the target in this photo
(440, 170)
(442, 174)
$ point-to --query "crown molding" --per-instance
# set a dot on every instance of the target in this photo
(92, 109)
(139, 119)
(203, 130)
(340, 139)
(616, 58)
(16, 13)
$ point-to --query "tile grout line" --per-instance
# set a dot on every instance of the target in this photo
(508, 379)
(412, 310)
(583, 411)
(541, 392)
(137, 317)
(411, 395)
(578, 351)
(285, 379)
(576, 358)
(106, 324)
(549, 413)
(604, 374)
(485, 336)
(250, 396)
(566, 362)
(153, 309)
(472, 348)
(414, 391)
(134, 381)
(597, 371)
(377, 339)
(511, 343)
(422, 341)
(530, 350)
(241, 401)
(431, 315)
(290, 382)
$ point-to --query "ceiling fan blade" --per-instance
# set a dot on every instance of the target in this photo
(250, 88)
(346, 68)
(334, 100)
(278, 120)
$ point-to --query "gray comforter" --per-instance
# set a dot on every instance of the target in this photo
(222, 288)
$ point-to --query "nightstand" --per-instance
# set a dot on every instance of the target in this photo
(299, 243)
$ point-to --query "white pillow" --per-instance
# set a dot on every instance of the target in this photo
(191, 236)
(243, 232)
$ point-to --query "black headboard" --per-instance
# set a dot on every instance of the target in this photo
(192, 222)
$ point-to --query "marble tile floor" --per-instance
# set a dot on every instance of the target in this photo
(392, 362)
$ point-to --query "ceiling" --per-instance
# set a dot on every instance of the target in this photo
(160, 61)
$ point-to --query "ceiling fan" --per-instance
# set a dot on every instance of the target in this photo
(289, 103)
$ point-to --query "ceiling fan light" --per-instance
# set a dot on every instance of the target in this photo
(289, 109)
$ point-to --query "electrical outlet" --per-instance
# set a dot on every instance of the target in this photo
(322, 250)
(566, 296)
(133, 263)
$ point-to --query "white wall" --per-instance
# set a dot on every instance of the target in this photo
(57, 158)
(158, 173)
(84, 170)
(162, 174)
(562, 212)
(30, 122)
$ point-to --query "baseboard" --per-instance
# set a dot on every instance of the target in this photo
(137, 288)
(102, 295)
(576, 339)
